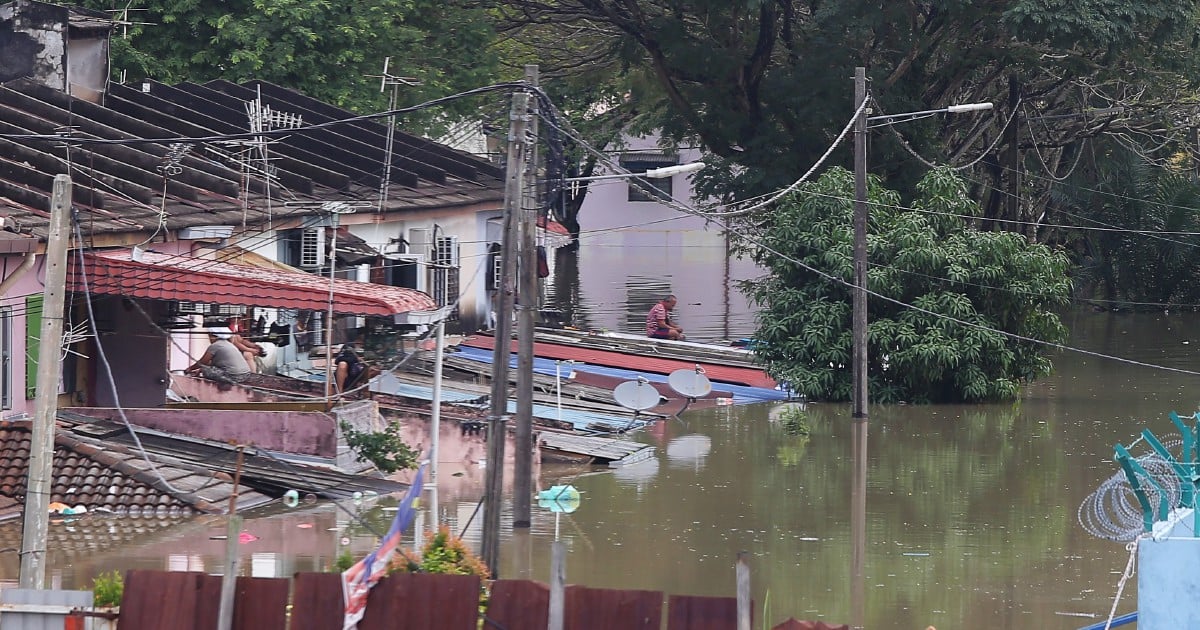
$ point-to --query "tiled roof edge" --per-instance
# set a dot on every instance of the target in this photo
(101, 455)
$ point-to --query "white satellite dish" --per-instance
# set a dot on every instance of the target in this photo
(637, 395)
(690, 383)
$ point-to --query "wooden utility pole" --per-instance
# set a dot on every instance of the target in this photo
(514, 180)
(41, 444)
(233, 530)
(861, 378)
(523, 462)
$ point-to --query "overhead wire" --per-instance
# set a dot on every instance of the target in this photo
(840, 281)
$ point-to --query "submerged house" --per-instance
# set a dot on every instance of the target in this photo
(643, 249)
(194, 203)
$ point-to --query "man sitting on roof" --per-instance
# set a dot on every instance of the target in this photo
(222, 361)
(658, 321)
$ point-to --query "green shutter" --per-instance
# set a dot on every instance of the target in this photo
(33, 331)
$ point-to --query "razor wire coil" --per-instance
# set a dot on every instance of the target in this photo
(1112, 511)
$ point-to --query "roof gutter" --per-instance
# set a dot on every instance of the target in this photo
(26, 265)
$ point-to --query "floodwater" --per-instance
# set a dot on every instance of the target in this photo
(971, 510)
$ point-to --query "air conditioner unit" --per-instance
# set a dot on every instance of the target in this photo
(445, 251)
(312, 248)
(419, 242)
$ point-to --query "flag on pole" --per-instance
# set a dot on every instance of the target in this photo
(358, 579)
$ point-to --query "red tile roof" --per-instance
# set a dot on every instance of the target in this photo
(167, 277)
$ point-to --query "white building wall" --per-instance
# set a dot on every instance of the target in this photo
(632, 253)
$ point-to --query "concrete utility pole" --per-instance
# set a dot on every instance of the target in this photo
(41, 445)
(523, 463)
(514, 180)
(858, 490)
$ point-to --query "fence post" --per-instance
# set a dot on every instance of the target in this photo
(743, 591)
(558, 579)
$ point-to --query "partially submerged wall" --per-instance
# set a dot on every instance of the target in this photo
(300, 432)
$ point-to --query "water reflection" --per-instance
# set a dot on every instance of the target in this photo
(689, 450)
(970, 514)
(637, 474)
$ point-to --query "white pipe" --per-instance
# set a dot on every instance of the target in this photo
(26, 265)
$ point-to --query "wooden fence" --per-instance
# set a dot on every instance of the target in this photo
(162, 600)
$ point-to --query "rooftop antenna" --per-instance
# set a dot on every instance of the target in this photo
(385, 80)
(262, 118)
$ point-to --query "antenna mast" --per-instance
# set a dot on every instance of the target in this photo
(385, 80)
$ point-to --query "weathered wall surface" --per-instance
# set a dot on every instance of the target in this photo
(305, 432)
(33, 43)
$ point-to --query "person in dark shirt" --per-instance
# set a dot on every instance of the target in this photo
(348, 369)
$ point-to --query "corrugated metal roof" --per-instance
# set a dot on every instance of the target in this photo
(128, 187)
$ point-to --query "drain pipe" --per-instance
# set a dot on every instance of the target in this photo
(25, 266)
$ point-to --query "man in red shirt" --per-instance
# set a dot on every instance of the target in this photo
(658, 321)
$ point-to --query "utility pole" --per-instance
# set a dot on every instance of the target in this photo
(858, 489)
(514, 179)
(41, 445)
(523, 463)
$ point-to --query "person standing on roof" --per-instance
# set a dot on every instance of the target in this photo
(222, 361)
(658, 321)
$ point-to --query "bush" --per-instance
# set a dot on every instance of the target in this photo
(443, 553)
(385, 450)
(107, 589)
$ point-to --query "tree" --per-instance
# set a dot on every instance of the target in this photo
(977, 298)
(327, 50)
(764, 84)
(1143, 251)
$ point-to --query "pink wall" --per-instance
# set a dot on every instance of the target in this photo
(306, 432)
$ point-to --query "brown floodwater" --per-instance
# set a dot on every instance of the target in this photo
(971, 510)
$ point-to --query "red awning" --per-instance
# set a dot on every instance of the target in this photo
(184, 278)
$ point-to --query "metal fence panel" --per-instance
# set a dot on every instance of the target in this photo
(603, 608)
(423, 601)
(39, 620)
(317, 601)
(519, 605)
(169, 600)
(261, 603)
(694, 612)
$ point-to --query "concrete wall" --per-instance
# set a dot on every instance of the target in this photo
(1168, 570)
(33, 43)
(468, 225)
(303, 432)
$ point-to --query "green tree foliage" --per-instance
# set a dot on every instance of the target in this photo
(1144, 252)
(324, 49)
(765, 84)
(929, 256)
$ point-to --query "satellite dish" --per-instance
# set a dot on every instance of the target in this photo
(637, 395)
(690, 383)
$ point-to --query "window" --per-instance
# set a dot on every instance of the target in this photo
(445, 272)
(661, 185)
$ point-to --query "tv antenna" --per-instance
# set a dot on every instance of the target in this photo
(385, 80)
